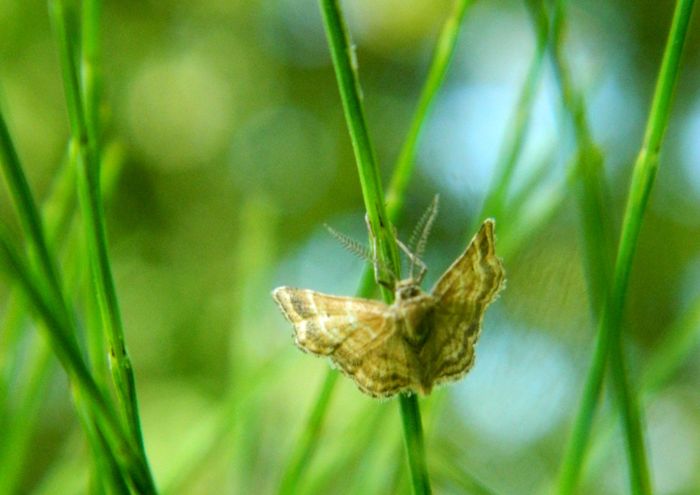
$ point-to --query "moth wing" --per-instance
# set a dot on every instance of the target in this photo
(379, 370)
(358, 334)
(323, 322)
(463, 292)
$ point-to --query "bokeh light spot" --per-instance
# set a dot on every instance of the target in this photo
(179, 111)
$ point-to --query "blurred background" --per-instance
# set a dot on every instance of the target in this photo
(230, 149)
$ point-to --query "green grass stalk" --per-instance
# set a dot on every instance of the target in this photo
(88, 396)
(17, 429)
(591, 199)
(46, 284)
(512, 145)
(403, 170)
(308, 441)
(439, 65)
(82, 111)
(609, 330)
(680, 339)
(415, 444)
(45, 292)
(588, 164)
(345, 64)
(29, 217)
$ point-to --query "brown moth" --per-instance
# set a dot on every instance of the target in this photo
(419, 341)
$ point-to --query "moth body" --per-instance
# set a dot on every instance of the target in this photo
(411, 314)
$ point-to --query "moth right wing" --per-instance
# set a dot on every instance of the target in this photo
(463, 293)
(359, 335)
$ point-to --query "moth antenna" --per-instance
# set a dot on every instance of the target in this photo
(418, 229)
(355, 247)
(419, 236)
(429, 217)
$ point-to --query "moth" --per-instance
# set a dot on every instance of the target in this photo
(420, 341)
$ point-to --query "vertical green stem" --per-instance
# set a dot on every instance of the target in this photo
(29, 218)
(519, 124)
(345, 64)
(442, 56)
(588, 165)
(609, 330)
(84, 149)
(87, 395)
(413, 438)
(402, 173)
(307, 443)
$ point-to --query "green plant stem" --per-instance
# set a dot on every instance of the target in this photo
(27, 211)
(515, 135)
(589, 186)
(442, 57)
(309, 439)
(86, 392)
(413, 438)
(609, 330)
(48, 299)
(345, 64)
(16, 429)
(386, 251)
(84, 151)
(62, 333)
(680, 339)
(58, 213)
(91, 80)
(588, 164)
(403, 171)
(46, 295)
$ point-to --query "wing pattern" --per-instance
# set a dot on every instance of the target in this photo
(359, 335)
(462, 295)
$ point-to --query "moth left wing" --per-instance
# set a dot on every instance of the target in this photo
(462, 295)
(359, 335)
(323, 322)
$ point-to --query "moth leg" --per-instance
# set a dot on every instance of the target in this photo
(382, 275)
(415, 260)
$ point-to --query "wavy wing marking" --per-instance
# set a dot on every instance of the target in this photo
(463, 293)
(323, 322)
(359, 335)
(380, 370)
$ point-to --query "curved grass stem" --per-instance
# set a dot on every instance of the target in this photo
(608, 341)
(82, 99)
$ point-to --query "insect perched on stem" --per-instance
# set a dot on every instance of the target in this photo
(419, 341)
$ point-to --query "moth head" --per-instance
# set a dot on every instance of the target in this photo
(406, 289)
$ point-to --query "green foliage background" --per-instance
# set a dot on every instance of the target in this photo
(224, 151)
